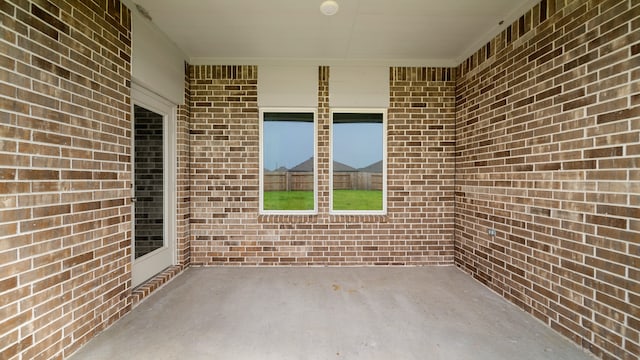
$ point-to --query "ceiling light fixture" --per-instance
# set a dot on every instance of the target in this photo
(329, 7)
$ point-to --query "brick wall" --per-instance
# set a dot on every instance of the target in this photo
(548, 154)
(547, 120)
(226, 228)
(64, 173)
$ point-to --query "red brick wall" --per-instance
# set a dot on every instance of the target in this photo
(542, 126)
(65, 136)
(226, 228)
(548, 154)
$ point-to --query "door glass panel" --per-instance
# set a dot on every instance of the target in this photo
(149, 181)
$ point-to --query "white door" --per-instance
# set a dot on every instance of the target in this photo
(153, 192)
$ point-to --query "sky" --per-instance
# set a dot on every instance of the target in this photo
(288, 143)
(357, 144)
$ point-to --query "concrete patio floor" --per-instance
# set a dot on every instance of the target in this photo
(327, 313)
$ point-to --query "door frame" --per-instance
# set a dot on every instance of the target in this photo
(145, 267)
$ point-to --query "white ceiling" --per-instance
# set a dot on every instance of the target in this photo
(411, 32)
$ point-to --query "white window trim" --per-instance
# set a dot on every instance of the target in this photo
(314, 111)
(382, 111)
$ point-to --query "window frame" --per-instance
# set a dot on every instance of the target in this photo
(382, 111)
(262, 111)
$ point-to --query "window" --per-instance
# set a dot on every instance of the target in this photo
(358, 162)
(288, 161)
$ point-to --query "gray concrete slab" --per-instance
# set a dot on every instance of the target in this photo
(327, 313)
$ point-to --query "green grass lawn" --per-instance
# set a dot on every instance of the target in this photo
(288, 200)
(357, 200)
(342, 200)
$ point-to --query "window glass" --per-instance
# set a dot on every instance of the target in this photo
(288, 162)
(358, 162)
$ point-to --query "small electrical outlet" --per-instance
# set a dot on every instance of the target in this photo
(491, 232)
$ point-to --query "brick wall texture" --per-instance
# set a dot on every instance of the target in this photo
(536, 135)
(65, 172)
(548, 154)
(226, 228)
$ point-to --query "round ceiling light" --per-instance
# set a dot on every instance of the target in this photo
(329, 7)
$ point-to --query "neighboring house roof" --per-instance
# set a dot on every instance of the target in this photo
(376, 167)
(340, 167)
(305, 166)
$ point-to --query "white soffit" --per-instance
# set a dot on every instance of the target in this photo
(156, 62)
(287, 86)
(398, 32)
(359, 87)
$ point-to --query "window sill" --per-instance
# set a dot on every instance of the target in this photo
(287, 218)
(313, 219)
(336, 218)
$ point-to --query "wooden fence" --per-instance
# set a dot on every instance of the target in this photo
(357, 181)
(288, 181)
(303, 181)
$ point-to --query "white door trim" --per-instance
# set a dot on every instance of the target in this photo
(149, 265)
